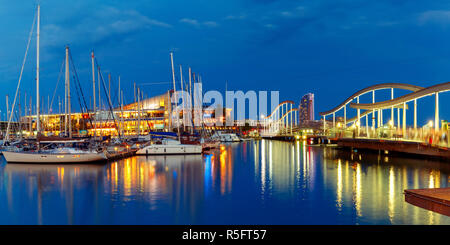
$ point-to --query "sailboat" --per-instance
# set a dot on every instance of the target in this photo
(170, 146)
(62, 153)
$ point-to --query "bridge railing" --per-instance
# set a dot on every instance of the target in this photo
(424, 135)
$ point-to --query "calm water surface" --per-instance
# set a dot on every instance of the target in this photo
(255, 182)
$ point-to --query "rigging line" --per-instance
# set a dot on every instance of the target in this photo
(59, 77)
(77, 80)
(114, 92)
(78, 95)
(20, 76)
(109, 98)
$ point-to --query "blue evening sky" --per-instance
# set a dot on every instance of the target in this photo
(329, 48)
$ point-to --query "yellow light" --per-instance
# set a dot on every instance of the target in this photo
(304, 137)
(391, 123)
(297, 136)
(430, 124)
(339, 125)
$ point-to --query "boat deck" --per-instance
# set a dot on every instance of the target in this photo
(436, 200)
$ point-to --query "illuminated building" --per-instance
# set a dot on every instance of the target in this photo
(306, 108)
(154, 116)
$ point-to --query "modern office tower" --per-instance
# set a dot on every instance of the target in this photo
(306, 108)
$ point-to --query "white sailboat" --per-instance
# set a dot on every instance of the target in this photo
(63, 156)
(225, 137)
(170, 147)
(58, 155)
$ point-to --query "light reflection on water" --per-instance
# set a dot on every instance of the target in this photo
(261, 182)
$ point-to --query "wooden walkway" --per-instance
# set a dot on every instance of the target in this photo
(436, 200)
(406, 147)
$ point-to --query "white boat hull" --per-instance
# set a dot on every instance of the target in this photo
(32, 157)
(170, 149)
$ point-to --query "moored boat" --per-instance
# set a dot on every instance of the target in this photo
(170, 147)
(54, 157)
(226, 137)
(208, 144)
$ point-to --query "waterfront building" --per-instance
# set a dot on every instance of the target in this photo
(153, 115)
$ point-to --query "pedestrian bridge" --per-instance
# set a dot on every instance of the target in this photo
(369, 121)
(282, 121)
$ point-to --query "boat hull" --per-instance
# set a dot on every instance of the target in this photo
(210, 145)
(32, 157)
(170, 150)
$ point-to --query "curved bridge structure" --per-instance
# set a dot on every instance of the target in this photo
(371, 89)
(375, 109)
(283, 119)
(443, 87)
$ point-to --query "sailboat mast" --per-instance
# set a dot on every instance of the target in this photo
(93, 79)
(120, 106)
(65, 100)
(182, 89)
(109, 84)
(7, 108)
(38, 125)
(94, 108)
(31, 117)
(69, 116)
(99, 99)
(139, 112)
(190, 99)
(26, 109)
(121, 109)
(20, 115)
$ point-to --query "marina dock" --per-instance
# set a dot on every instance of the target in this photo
(436, 200)
(406, 147)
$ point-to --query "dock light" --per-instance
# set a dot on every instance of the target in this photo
(430, 124)
(304, 137)
(297, 137)
(357, 124)
(339, 125)
(391, 123)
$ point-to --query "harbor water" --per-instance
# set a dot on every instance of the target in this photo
(252, 182)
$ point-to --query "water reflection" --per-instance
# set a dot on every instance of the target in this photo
(260, 182)
(37, 183)
(379, 184)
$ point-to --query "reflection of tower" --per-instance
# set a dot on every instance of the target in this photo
(306, 108)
